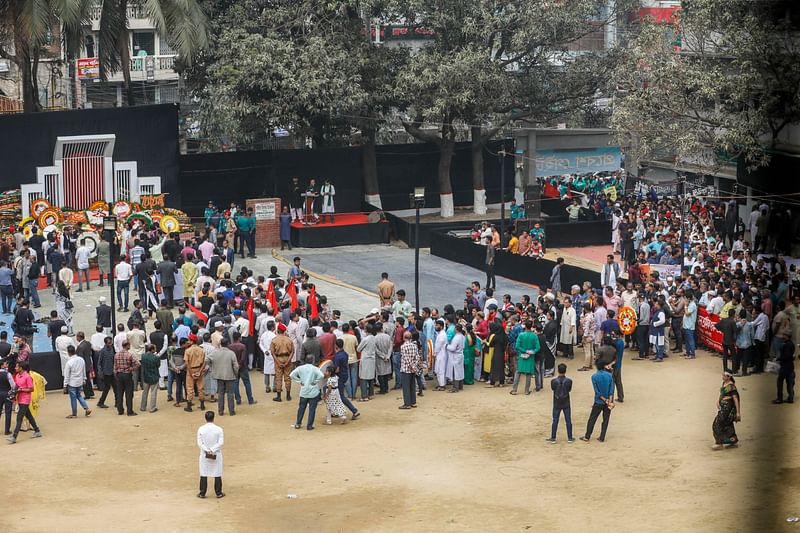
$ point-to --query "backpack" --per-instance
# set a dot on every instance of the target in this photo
(34, 271)
(561, 392)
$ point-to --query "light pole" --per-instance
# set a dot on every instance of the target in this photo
(681, 190)
(419, 202)
(109, 232)
(501, 157)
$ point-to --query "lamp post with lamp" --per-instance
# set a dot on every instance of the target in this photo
(109, 233)
(419, 203)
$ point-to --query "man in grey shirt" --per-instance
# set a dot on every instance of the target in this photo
(225, 369)
(643, 326)
(490, 253)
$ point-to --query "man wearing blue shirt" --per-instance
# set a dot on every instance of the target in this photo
(603, 384)
(689, 323)
(309, 377)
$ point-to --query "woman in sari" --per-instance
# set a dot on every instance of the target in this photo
(471, 347)
(495, 355)
(729, 411)
(64, 305)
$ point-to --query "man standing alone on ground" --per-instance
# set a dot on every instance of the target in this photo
(561, 386)
(308, 376)
(603, 385)
(385, 290)
(210, 439)
(490, 256)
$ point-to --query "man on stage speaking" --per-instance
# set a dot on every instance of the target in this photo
(311, 199)
(327, 192)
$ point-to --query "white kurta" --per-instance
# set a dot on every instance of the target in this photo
(567, 320)
(440, 365)
(455, 358)
(328, 192)
(210, 438)
(264, 342)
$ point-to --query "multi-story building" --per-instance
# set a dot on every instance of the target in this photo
(153, 78)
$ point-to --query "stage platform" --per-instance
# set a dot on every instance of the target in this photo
(349, 228)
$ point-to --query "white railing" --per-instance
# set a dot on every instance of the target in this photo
(135, 11)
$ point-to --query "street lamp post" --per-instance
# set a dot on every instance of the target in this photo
(419, 202)
(109, 231)
(501, 157)
(681, 186)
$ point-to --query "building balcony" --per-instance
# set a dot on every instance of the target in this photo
(137, 16)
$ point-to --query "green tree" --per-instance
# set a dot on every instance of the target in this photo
(492, 62)
(26, 27)
(183, 24)
(715, 81)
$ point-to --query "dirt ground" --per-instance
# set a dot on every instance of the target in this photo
(475, 460)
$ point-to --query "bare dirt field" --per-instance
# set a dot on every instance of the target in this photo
(470, 461)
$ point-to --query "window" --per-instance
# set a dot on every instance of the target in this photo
(90, 50)
(164, 48)
(144, 43)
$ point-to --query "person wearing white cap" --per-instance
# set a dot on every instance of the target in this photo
(63, 342)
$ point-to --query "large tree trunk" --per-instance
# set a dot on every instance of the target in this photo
(22, 58)
(445, 161)
(370, 167)
(478, 187)
(125, 56)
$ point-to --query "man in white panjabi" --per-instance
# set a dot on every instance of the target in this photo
(440, 349)
(328, 191)
(210, 439)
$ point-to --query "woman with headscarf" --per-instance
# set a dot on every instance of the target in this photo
(472, 347)
(494, 359)
(64, 305)
(728, 412)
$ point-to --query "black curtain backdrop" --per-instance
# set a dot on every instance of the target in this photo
(512, 266)
(235, 176)
(145, 134)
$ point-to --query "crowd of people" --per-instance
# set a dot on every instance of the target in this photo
(229, 324)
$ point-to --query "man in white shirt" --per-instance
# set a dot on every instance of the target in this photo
(123, 274)
(74, 378)
(265, 342)
(715, 305)
(490, 300)
(66, 275)
(210, 439)
(82, 262)
(610, 272)
(63, 342)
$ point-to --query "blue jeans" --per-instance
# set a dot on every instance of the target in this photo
(33, 292)
(7, 293)
(123, 288)
(311, 403)
(396, 368)
(75, 398)
(352, 382)
(244, 376)
(688, 336)
(345, 400)
(179, 379)
(659, 351)
(567, 419)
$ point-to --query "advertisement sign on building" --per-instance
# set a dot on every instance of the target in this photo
(88, 68)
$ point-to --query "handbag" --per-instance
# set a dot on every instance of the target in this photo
(773, 367)
(211, 456)
(69, 305)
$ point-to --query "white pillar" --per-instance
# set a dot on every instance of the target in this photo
(446, 201)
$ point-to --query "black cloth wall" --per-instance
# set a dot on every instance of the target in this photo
(512, 266)
(145, 134)
(236, 176)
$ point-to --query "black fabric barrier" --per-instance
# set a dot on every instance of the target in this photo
(326, 236)
(48, 364)
(146, 134)
(512, 266)
(403, 229)
(585, 233)
(236, 176)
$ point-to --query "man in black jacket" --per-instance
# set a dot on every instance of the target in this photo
(561, 386)
(728, 328)
(786, 372)
(104, 315)
(105, 366)
(84, 351)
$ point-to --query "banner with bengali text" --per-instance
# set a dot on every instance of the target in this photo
(583, 161)
(707, 333)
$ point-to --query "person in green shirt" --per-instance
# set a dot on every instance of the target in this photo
(472, 346)
(527, 347)
(150, 363)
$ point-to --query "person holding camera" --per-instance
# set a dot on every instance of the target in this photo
(210, 439)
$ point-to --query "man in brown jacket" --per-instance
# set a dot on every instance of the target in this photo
(195, 358)
(282, 349)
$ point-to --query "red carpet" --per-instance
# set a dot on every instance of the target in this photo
(94, 276)
(343, 219)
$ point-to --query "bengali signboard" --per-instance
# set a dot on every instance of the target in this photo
(557, 162)
(88, 68)
(265, 211)
(707, 333)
